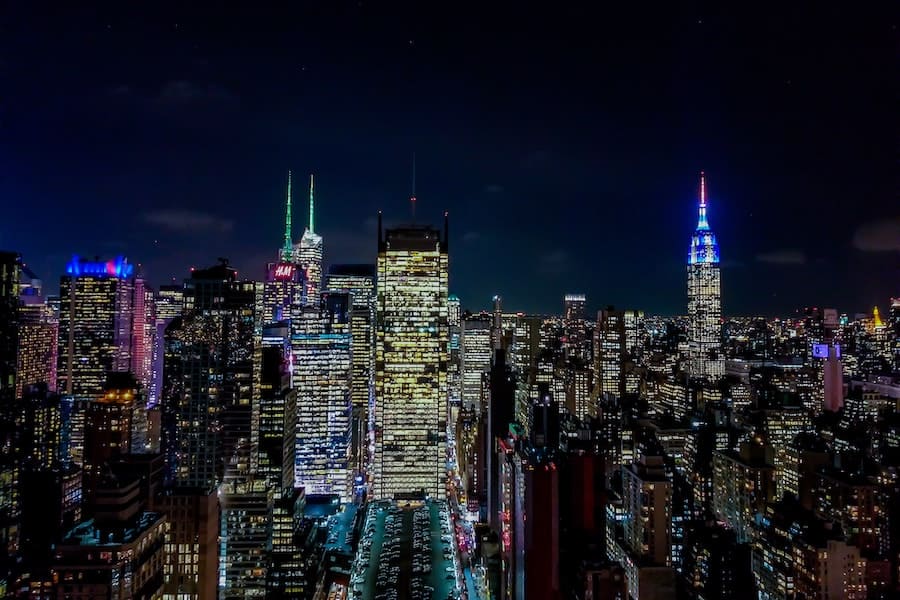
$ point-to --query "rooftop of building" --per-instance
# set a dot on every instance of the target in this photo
(87, 533)
(220, 272)
(351, 270)
(412, 237)
(788, 516)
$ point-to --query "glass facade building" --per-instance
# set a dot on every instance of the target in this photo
(411, 363)
(322, 373)
(95, 324)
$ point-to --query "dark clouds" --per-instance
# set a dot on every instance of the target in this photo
(882, 235)
(783, 257)
(186, 221)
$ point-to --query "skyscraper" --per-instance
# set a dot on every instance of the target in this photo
(575, 340)
(95, 324)
(310, 252)
(609, 352)
(10, 266)
(143, 340)
(358, 281)
(574, 307)
(108, 429)
(168, 302)
(322, 376)
(475, 355)
(704, 299)
(454, 367)
(38, 337)
(411, 362)
(218, 345)
(10, 512)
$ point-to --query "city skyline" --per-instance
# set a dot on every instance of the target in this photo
(358, 300)
(301, 243)
(578, 151)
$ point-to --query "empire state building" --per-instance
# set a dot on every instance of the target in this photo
(704, 285)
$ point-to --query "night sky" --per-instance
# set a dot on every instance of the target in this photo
(565, 144)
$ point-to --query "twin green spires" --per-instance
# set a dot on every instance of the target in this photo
(288, 233)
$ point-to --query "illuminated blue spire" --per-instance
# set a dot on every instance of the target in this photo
(702, 223)
(704, 246)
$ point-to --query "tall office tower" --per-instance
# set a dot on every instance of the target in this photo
(574, 307)
(575, 340)
(284, 292)
(704, 299)
(411, 362)
(578, 380)
(39, 424)
(475, 355)
(321, 344)
(647, 495)
(498, 337)
(894, 331)
(10, 268)
(285, 571)
(778, 427)
(95, 324)
(454, 368)
(143, 340)
(108, 428)
(635, 334)
(171, 395)
(169, 302)
(10, 513)
(218, 343)
(44, 510)
(310, 251)
(246, 502)
(610, 343)
(358, 281)
(635, 339)
(38, 336)
(500, 413)
(277, 411)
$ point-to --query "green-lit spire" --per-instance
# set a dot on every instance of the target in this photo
(312, 208)
(288, 238)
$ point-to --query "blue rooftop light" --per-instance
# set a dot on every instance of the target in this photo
(118, 268)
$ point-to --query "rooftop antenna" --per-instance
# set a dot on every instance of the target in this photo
(702, 223)
(412, 197)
